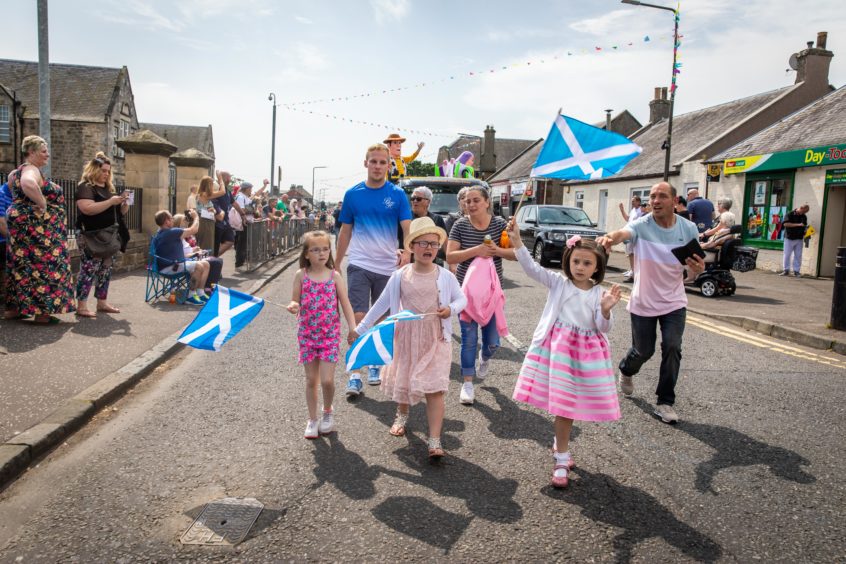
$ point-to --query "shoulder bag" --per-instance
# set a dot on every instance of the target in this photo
(102, 243)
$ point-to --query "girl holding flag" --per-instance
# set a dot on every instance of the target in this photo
(317, 294)
(422, 348)
(567, 370)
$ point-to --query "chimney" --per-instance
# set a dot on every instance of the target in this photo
(812, 64)
(659, 108)
(487, 162)
(608, 120)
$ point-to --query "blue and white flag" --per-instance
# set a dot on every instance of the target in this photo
(226, 313)
(577, 151)
(376, 347)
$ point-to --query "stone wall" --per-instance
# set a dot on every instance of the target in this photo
(72, 144)
(149, 172)
(8, 151)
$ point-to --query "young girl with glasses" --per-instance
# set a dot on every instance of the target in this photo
(318, 294)
(567, 370)
(422, 347)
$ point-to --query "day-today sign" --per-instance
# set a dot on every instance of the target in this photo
(817, 156)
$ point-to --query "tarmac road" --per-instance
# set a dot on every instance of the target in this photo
(748, 474)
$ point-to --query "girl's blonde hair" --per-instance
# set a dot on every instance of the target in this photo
(307, 240)
(206, 187)
(178, 219)
(92, 169)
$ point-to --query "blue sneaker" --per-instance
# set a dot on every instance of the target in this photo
(194, 300)
(203, 298)
(354, 387)
(373, 377)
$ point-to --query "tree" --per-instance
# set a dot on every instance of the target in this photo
(417, 168)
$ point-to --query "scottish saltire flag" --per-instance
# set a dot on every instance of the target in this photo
(577, 151)
(226, 313)
(376, 347)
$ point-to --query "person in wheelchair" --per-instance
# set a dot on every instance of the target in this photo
(171, 257)
(721, 232)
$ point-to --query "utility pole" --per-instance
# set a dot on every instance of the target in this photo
(272, 98)
(43, 79)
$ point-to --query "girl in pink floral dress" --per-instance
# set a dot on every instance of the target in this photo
(318, 292)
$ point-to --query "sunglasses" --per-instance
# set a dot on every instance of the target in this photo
(418, 198)
(100, 161)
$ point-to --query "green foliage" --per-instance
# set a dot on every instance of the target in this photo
(417, 168)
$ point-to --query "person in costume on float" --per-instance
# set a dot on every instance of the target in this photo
(462, 167)
(394, 142)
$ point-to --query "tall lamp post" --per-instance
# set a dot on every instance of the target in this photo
(272, 98)
(312, 182)
(668, 142)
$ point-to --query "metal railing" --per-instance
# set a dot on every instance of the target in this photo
(267, 238)
(134, 216)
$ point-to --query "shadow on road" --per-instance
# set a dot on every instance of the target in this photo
(343, 468)
(486, 496)
(103, 326)
(734, 448)
(605, 500)
(512, 422)
(23, 336)
(419, 518)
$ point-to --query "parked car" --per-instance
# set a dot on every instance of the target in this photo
(444, 193)
(545, 229)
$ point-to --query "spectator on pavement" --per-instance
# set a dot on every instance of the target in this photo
(336, 213)
(635, 212)
(724, 222)
(681, 208)
(794, 232)
(224, 235)
(371, 212)
(466, 242)
(243, 205)
(282, 204)
(191, 203)
(168, 243)
(192, 251)
(701, 210)
(100, 207)
(658, 295)
(207, 212)
(5, 202)
(40, 282)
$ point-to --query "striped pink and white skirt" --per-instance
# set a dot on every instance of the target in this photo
(570, 375)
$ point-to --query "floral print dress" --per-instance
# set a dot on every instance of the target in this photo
(319, 327)
(40, 280)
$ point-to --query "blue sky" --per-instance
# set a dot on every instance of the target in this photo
(197, 62)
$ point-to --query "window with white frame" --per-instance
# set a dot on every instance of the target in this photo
(690, 186)
(5, 124)
(643, 193)
(580, 199)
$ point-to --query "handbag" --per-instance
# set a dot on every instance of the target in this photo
(103, 243)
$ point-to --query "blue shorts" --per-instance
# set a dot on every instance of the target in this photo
(364, 287)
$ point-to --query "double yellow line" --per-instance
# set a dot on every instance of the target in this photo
(760, 341)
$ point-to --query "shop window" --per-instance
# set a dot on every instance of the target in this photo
(766, 203)
(5, 124)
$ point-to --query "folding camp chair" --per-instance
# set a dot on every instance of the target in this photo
(161, 283)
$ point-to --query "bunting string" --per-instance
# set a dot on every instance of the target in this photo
(418, 132)
(475, 74)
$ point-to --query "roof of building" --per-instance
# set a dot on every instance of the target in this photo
(521, 165)
(694, 130)
(617, 122)
(818, 123)
(93, 89)
(505, 149)
(185, 136)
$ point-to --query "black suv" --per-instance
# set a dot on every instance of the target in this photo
(545, 230)
(444, 193)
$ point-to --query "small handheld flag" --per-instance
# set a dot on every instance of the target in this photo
(577, 151)
(223, 316)
(376, 347)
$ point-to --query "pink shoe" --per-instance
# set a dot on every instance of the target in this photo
(561, 481)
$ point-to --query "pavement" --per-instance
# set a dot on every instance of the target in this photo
(53, 379)
(793, 309)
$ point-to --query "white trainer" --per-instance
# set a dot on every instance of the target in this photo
(311, 431)
(467, 396)
(327, 423)
(666, 413)
(482, 373)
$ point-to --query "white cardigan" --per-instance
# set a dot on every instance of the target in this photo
(560, 290)
(449, 294)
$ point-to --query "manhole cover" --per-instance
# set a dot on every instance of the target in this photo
(224, 522)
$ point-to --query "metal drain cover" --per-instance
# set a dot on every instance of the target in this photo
(223, 522)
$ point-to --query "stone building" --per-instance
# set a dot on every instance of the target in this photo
(490, 153)
(91, 107)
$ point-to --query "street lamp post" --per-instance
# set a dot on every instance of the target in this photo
(312, 181)
(668, 142)
(272, 98)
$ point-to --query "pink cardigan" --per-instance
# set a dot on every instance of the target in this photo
(485, 297)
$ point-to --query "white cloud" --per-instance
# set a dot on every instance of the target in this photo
(606, 24)
(303, 20)
(390, 10)
(303, 61)
(503, 35)
(138, 13)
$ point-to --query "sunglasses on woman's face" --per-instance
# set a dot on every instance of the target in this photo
(418, 198)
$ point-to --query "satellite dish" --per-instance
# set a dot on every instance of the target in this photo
(793, 62)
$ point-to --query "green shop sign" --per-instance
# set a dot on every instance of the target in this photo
(835, 176)
(817, 156)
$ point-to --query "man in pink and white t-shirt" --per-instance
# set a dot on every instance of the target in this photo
(658, 295)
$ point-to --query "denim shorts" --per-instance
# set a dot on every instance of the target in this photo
(364, 287)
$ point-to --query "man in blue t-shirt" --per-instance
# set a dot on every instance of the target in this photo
(701, 210)
(369, 217)
(168, 247)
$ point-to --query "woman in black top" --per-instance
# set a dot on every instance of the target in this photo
(466, 242)
(99, 207)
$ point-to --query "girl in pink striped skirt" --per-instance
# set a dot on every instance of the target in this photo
(567, 370)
